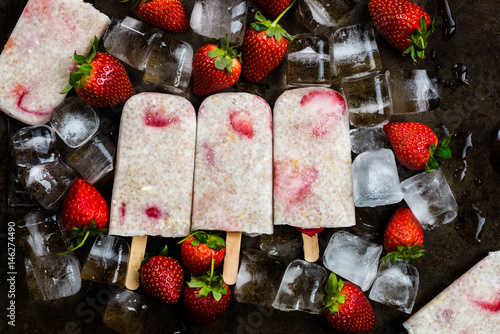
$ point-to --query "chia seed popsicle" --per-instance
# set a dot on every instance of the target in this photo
(152, 192)
(36, 61)
(233, 171)
(312, 160)
(470, 305)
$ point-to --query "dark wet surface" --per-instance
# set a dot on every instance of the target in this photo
(470, 113)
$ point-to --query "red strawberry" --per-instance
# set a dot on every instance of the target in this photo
(168, 15)
(162, 277)
(346, 308)
(264, 46)
(215, 67)
(198, 250)
(415, 145)
(404, 24)
(84, 211)
(206, 298)
(403, 237)
(273, 7)
(101, 80)
(242, 123)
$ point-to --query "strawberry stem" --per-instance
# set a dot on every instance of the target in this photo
(80, 244)
(282, 13)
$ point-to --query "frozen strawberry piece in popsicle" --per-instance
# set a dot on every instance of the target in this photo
(152, 193)
(312, 160)
(36, 61)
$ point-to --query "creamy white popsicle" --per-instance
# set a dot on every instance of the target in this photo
(312, 160)
(152, 192)
(469, 305)
(233, 168)
(36, 61)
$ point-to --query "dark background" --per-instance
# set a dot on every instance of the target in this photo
(469, 111)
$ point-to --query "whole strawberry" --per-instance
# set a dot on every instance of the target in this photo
(84, 211)
(101, 80)
(403, 237)
(273, 7)
(198, 250)
(346, 308)
(206, 297)
(415, 145)
(215, 67)
(168, 15)
(404, 24)
(162, 277)
(264, 46)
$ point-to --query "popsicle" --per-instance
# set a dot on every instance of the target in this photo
(312, 162)
(233, 171)
(36, 61)
(471, 304)
(152, 191)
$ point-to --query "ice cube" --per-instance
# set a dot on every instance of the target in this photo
(48, 182)
(367, 139)
(34, 145)
(40, 233)
(302, 287)
(323, 16)
(355, 51)
(286, 247)
(52, 276)
(376, 179)
(126, 311)
(430, 198)
(415, 90)
(368, 98)
(353, 258)
(107, 260)
(259, 278)
(216, 18)
(74, 121)
(94, 159)
(308, 61)
(131, 41)
(170, 66)
(396, 285)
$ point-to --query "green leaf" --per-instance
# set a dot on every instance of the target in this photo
(260, 17)
(79, 59)
(195, 242)
(220, 62)
(74, 78)
(135, 3)
(443, 152)
(271, 32)
(86, 68)
(164, 251)
(446, 141)
(259, 26)
(217, 295)
(277, 35)
(229, 64)
(66, 89)
(196, 284)
(215, 53)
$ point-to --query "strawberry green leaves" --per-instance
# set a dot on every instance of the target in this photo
(442, 151)
(333, 297)
(419, 40)
(405, 253)
(81, 235)
(224, 55)
(209, 283)
(83, 65)
(273, 29)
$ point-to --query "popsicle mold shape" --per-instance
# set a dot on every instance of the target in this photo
(233, 168)
(471, 304)
(36, 61)
(152, 192)
(312, 160)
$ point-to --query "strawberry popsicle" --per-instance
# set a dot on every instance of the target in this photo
(152, 192)
(312, 160)
(233, 170)
(36, 61)
(470, 305)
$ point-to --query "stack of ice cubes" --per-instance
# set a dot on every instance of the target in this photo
(357, 63)
(49, 275)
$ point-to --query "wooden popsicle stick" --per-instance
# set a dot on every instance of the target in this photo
(311, 247)
(137, 250)
(232, 257)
